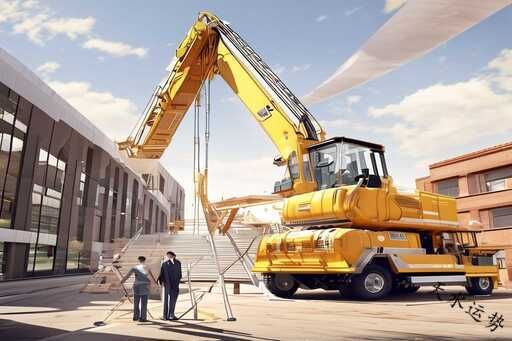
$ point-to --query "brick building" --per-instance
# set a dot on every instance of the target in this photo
(482, 183)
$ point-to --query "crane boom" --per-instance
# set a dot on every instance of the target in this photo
(212, 48)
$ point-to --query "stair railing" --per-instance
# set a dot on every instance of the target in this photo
(135, 237)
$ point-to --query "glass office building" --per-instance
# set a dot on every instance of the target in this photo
(65, 192)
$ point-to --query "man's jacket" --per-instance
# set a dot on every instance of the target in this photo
(170, 274)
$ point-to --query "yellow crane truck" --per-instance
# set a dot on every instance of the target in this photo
(352, 229)
(362, 236)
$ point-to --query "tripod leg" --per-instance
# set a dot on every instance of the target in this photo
(227, 306)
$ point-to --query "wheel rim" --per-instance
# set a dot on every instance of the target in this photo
(284, 282)
(374, 283)
(484, 283)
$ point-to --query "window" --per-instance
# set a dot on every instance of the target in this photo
(2, 260)
(501, 217)
(306, 167)
(134, 208)
(10, 164)
(47, 193)
(337, 164)
(114, 205)
(293, 164)
(75, 257)
(497, 179)
(45, 210)
(75, 250)
(148, 178)
(161, 184)
(324, 160)
(40, 258)
(448, 187)
(12, 133)
(124, 204)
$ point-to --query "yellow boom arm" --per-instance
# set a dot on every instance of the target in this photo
(211, 47)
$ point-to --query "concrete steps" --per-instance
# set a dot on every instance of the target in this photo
(189, 248)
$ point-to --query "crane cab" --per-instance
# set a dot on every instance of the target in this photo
(339, 161)
(342, 161)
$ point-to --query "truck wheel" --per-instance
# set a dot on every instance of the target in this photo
(372, 284)
(479, 286)
(282, 285)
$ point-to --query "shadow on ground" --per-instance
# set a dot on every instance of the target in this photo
(424, 296)
(12, 330)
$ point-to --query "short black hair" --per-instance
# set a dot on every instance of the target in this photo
(171, 253)
(141, 259)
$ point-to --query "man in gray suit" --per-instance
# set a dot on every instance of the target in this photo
(170, 276)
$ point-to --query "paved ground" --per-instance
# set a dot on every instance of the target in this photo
(57, 311)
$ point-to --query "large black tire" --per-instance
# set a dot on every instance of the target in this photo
(374, 283)
(282, 285)
(480, 286)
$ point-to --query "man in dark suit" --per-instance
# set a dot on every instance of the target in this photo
(170, 276)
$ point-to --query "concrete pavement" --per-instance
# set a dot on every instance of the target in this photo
(62, 313)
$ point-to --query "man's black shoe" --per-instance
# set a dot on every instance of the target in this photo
(141, 320)
(174, 318)
(135, 319)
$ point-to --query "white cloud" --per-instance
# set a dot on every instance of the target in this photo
(300, 68)
(393, 5)
(10, 11)
(72, 27)
(349, 12)
(321, 18)
(502, 66)
(114, 48)
(353, 99)
(40, 24)
(442, 116)
(115, 116)
(32, 27)
(47, 68)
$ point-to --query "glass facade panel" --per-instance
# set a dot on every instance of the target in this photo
(46, 204)
(2, 260)
(40, 258)
(76, 259)
(11, 148)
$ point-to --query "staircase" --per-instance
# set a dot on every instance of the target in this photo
(191, 248)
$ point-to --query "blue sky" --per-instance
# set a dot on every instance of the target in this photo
(106, 57)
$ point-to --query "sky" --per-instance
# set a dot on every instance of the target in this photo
(106, 57)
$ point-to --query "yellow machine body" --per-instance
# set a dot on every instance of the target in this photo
(347, 251)
(374, 208)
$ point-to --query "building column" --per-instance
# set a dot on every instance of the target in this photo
(463, 186)
(68, 218)
(16, 260)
